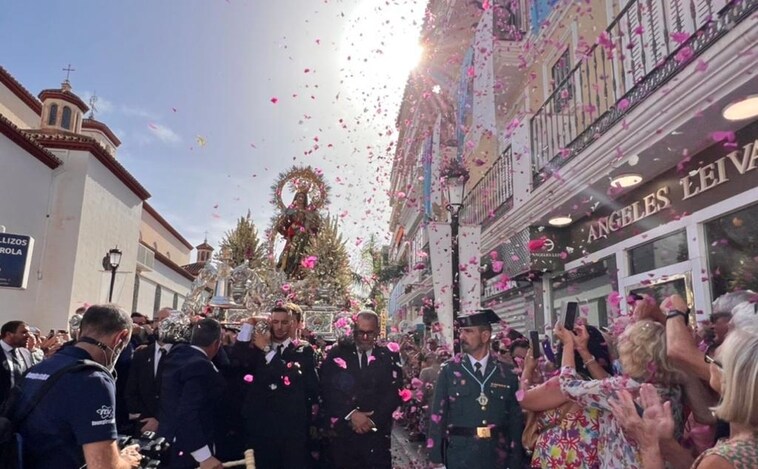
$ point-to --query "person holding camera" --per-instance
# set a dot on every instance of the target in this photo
(73, 422)
(281, 388)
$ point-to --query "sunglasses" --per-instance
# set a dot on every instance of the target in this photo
(712, 361)
(360, 333)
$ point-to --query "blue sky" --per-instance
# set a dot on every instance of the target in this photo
(167, 72)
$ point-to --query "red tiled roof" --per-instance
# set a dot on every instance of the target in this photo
(194, 268)
(205, 245)
(64, 95)
(149, 209)
(18, 89)
(95, 124)
(18, 136)
(70, 141)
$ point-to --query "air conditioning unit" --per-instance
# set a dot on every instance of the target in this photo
(145, 258)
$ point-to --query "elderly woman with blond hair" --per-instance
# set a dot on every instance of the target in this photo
(642, 353)
(734, 371)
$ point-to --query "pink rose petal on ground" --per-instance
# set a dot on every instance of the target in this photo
(393, 347)
(436, 418)
(340, 363)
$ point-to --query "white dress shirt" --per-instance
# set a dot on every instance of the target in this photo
(157, 357)
(483, 361)
(8, 350)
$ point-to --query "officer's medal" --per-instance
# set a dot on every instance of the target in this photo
(482, 399)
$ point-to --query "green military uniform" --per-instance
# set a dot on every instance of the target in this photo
(473, 425)
(476, 421)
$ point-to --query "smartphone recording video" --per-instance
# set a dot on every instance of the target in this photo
(569, 317)
(534, 343)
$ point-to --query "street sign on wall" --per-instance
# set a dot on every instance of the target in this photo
(15, 259)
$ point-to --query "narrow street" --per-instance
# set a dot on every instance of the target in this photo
(406, 454)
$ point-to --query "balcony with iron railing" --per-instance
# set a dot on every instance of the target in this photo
(493, 193)
(646, 45)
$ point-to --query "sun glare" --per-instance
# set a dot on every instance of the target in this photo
(379, 49)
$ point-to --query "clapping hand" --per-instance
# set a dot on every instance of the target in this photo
(656, 422)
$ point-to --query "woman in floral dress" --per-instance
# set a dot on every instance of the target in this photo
(642, 353)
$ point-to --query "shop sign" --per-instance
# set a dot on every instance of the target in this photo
(722, 171)
(15, 259)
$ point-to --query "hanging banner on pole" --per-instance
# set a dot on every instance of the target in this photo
(440, 250)
(15, 260)
(469, 238)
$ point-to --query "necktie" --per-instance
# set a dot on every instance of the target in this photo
(18, 366)
(478, 372)
(280, 349)
(363, 359)
(161, 356)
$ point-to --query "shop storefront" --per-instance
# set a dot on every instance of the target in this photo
(693, 230)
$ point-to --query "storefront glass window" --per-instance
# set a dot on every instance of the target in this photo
(590, 286)
(659, 253)
(733, 251)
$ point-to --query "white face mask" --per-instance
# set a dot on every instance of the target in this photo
(111, 365)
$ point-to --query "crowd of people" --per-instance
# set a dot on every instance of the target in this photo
(648, 393)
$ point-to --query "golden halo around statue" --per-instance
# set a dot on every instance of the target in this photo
(302, 179)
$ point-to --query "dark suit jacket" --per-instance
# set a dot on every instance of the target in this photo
(278, 401)
(372, 388)
(142, 386)
(5, 374)
(191, 389)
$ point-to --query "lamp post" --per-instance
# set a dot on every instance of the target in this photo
(114, 260)
(456, 185)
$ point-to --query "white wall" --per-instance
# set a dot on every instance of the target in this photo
(17, 111)
(24, 190)
(110, 217)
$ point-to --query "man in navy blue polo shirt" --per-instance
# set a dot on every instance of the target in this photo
(75, 421)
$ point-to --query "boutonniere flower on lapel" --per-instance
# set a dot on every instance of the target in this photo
(371, 358)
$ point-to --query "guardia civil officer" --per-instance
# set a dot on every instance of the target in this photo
(476, 422)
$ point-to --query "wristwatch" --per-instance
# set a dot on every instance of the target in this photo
(674, 313)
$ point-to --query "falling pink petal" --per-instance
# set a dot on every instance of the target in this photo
(393, 347)
(520, 395)
(274, 100)
(623, 105)
(340, 363)
(248, 378)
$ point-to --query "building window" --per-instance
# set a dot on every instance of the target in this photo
(135, 296)
(176, 301)
(732, 250)
(659, 253)
(589, 285)
(559, 72)
(66, 118)
(157, 302)
(53, 117)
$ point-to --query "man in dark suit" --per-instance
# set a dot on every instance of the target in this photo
(191, 388)
(16, 359)
(360, 385)
(476, 421)
(281, 391)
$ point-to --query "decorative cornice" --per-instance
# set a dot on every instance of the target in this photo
(18, 89)
(8, 129)
(65, 96)
(97, 125)
(149, 209)
(67, 141)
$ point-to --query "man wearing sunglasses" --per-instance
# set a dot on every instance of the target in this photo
(360, 384)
